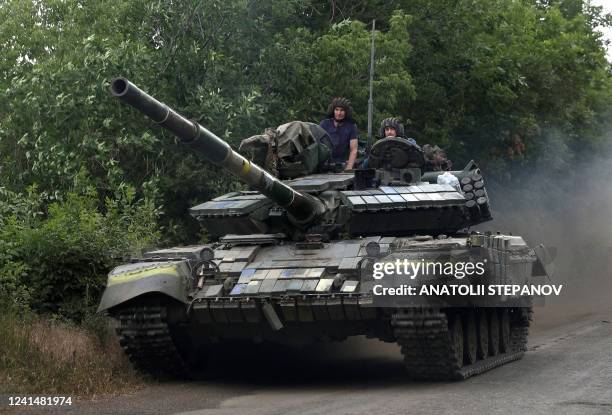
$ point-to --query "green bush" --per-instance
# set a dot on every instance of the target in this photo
(54, 259)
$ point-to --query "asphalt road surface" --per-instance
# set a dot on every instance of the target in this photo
(568, 370)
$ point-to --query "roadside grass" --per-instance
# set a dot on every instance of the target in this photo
(45, 357)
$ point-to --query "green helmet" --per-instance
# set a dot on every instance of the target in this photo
(342, 103)
(394, 123)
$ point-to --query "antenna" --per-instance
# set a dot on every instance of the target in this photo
(370, 99)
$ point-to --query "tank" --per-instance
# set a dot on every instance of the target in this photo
(293, 261)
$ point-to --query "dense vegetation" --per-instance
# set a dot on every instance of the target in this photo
(85, 181)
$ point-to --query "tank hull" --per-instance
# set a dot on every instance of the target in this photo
(229, 299)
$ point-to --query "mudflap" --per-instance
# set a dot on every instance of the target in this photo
(544, 266)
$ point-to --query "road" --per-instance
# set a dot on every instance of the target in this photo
(568, 370)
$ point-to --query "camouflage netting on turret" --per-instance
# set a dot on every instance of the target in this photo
(436, 159)
(294, 149)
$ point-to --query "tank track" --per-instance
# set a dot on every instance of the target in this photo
(145, 336)
(427, 346)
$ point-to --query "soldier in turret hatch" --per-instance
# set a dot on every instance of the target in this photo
(392, 127)
(435, 157)
(342, 130)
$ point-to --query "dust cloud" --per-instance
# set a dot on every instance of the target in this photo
(573, 213)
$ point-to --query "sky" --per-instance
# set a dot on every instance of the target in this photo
(607, 5)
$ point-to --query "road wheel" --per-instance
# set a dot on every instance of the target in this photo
(504, 343)
(483, 335)
(493, 332)
(470, 338)
(456, 337)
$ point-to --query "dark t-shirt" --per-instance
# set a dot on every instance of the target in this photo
(341, 137)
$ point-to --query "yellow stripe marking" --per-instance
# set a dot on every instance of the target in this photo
(137, 275)
(246, 166)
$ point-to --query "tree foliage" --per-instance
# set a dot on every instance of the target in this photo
(55, 261)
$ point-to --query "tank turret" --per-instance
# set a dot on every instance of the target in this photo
(304, 209)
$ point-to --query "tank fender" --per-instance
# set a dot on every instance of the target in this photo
(129, 281)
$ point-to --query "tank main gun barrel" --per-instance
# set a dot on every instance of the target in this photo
(302, 207)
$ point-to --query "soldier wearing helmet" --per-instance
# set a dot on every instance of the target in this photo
(392, 127)
(342, 130)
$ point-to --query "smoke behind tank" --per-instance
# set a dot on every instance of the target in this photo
(573, 213)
